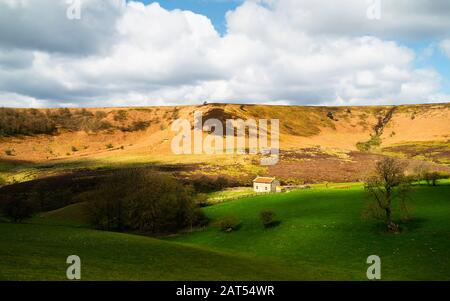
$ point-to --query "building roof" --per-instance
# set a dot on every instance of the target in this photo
(264, 180)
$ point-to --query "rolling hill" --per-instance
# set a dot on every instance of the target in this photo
(115, 256)
(320, 236)
(337, 142)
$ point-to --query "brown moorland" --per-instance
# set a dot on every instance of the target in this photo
(318, 144)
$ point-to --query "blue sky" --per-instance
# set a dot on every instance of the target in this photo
(437, 60)
(215, 10)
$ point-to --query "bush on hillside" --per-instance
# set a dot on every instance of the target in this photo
(374, 141)
(136, 126)
(229, 223)
(80, 120)
(267, 218)
(120, 115)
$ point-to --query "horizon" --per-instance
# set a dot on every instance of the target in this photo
(234, 104)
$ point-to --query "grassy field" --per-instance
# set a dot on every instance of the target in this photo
(321, 236)
(229, 194)
(39, 252)
(324, 227)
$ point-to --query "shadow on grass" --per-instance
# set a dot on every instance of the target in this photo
(412, 224)
(272, 225)
(405, 226)
(7, 165)
(57, 191)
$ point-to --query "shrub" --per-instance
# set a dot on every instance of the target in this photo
(74, 149)
(176, 113)
(9, 152)
(100, 115)
(121, 115)
(136, 126)
(229, 223)
(109, 146)
(267, 218)
(374, 141)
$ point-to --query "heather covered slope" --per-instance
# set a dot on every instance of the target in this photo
(75, 133)
(336, 141)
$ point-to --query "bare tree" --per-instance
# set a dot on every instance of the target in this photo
(421, 171)
(387, 185)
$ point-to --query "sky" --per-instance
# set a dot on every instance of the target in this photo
(56, 53)
(215, 10)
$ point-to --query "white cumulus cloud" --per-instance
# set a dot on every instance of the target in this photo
(285, 52)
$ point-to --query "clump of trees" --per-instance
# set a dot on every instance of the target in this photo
(14, 122)
(210, 184)
(145, 201)
(432, 178)
(386, 186)
(25, 122)
(79, 120)
(139, 199)
(422, 173)
(19, 209)
(21, 201)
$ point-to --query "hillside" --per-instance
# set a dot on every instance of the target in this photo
(319, 236)
(323, 226)
(146, 130)
(311, 138)
(115, 256)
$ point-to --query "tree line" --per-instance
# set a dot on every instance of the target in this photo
(136, 199)
(14, 122)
